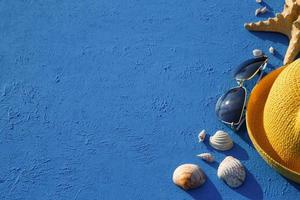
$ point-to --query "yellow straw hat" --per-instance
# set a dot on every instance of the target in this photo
(273, 119)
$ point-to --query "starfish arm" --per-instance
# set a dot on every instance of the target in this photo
(294, 45)
(277, 24)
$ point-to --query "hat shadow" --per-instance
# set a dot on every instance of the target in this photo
(250, 188)
(294, 184)
(207, 191)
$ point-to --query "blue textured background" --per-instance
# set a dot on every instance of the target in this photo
(103, 99)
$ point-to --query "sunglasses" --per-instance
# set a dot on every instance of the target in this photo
(231, 107)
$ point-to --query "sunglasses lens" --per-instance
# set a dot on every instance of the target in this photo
(229, 107)
(248, 68)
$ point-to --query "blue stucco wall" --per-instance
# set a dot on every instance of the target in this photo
(102, 99)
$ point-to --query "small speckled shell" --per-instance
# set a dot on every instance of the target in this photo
(201, 136)
(232, 172)
(272, 50)
(207, 157)
(188, 176)
(221, 141)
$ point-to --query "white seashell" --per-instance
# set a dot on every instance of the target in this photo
(221, 141)
(232, 172)
(258, 1)
(201, 136)
(188, 176)
(207, 157)
(257, 53)
(257, 11)
(261, 10)
(272, 50)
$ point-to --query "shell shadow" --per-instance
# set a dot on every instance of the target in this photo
(278, 55)
(207, 191)
(237, 151)
(250, 189)
(215, 164)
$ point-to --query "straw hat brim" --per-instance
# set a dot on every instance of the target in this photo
(254, 120)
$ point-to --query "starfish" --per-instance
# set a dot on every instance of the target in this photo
(288, 23)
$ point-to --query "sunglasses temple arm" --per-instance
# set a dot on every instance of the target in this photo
(237, 128)
(260, 76)
(261, 73)
(241, 123)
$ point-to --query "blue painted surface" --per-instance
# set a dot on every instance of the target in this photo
(103, 99)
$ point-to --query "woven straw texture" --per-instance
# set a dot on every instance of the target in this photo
(273, 120)
(282, 116)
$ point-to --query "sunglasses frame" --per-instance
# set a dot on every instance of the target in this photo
(237, 126)
(263, 66)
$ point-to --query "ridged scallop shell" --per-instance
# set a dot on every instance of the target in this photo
(201, 136)
(188, 176)
(207, 157)
(221, 141)
(232, 172)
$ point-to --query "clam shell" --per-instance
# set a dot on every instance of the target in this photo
(232, 172)
(221, 141)
(188, 176)
(257, 53)
(207, 157)
(201, 136)
(258, 1)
